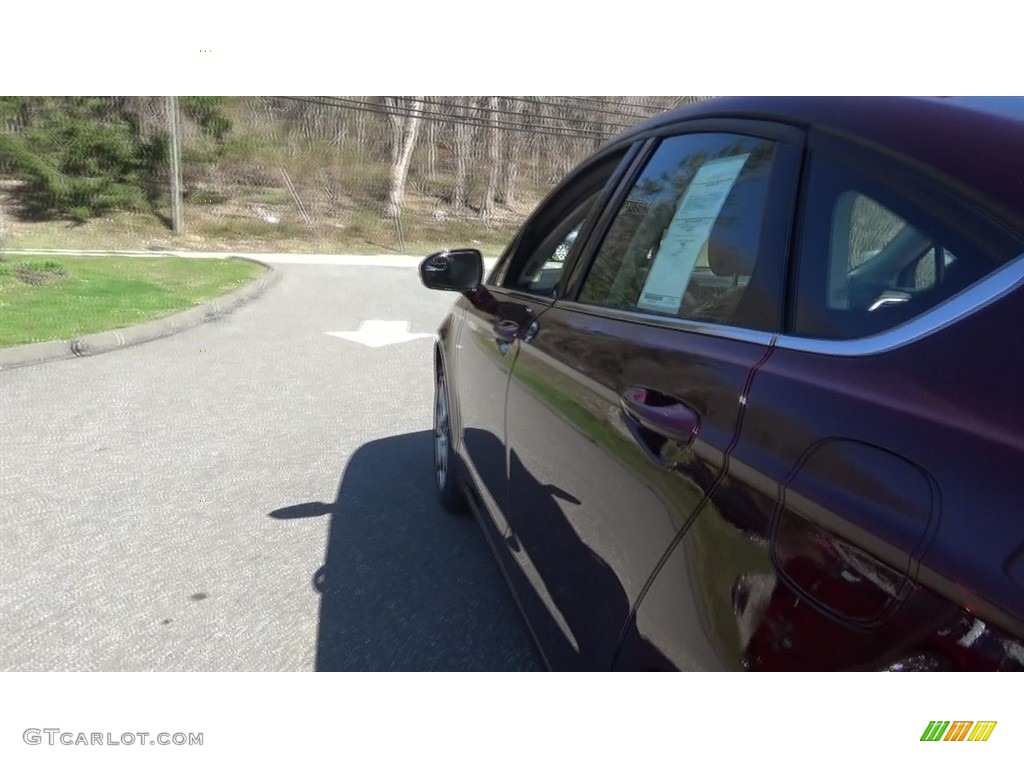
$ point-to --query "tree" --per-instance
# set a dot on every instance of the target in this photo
(463, 144)
(513, 149)
(82, 156)
(207, 113)
(403, 142)
(493, 159)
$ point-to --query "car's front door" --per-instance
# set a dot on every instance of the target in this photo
(498, 314)
(625, 399)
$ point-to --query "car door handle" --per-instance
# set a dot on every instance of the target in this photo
(661, 414)
(506, 331)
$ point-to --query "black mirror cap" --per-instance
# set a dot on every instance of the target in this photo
(460, 270)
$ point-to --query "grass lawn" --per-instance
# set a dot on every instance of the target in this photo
(49, 298)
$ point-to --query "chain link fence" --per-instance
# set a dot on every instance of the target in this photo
(319, 173)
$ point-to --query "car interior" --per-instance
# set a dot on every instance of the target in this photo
(723, 270)
(542, 271)
(886, 286)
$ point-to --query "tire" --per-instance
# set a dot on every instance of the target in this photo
(444, 456)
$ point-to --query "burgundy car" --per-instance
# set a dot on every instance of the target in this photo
(746, 392)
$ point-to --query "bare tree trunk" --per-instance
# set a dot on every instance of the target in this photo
(397, 122)
(314, 125)
(431, 150)
(599, 125)
(535, 162)
(462, 149)
(361, 133)
(400, 168)
(552, 149)
(493, 160)
(578, 152)
(513, 148)
(340, 129)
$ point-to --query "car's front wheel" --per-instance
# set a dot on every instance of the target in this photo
(444, 456)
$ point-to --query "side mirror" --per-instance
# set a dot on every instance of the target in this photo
(460, 270)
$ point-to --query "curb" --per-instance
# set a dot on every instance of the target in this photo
(108, 341)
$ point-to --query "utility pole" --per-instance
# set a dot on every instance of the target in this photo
(172, 125)
(2, 231)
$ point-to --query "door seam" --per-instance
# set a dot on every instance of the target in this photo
(680, 535)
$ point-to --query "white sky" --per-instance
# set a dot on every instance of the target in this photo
(536, 47)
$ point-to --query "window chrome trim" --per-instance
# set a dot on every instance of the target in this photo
(517, 294)
(1005, 280)
(734, 333)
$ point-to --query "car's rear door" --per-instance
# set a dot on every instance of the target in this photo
(880, 448)
(626, 396)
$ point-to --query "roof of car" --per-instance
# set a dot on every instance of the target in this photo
(977, 141)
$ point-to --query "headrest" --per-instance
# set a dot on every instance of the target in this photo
(732, 247)
(736, 237)
(731, 259)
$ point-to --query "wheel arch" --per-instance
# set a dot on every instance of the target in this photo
(444, 353)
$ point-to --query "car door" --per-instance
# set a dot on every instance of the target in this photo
(876, 451)
(496, 315)
(626, 396)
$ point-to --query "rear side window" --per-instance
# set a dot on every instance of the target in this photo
(874, 257)
(879, 260)
(687, 240)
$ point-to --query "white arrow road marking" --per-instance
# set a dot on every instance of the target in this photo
(380, 333)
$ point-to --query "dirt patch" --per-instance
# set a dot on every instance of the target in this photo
(35, 273)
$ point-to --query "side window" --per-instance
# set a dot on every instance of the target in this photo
(548, 240)
(688, 239)
(865, 272)
(541, 269)
(872, 227)
(872, 259)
